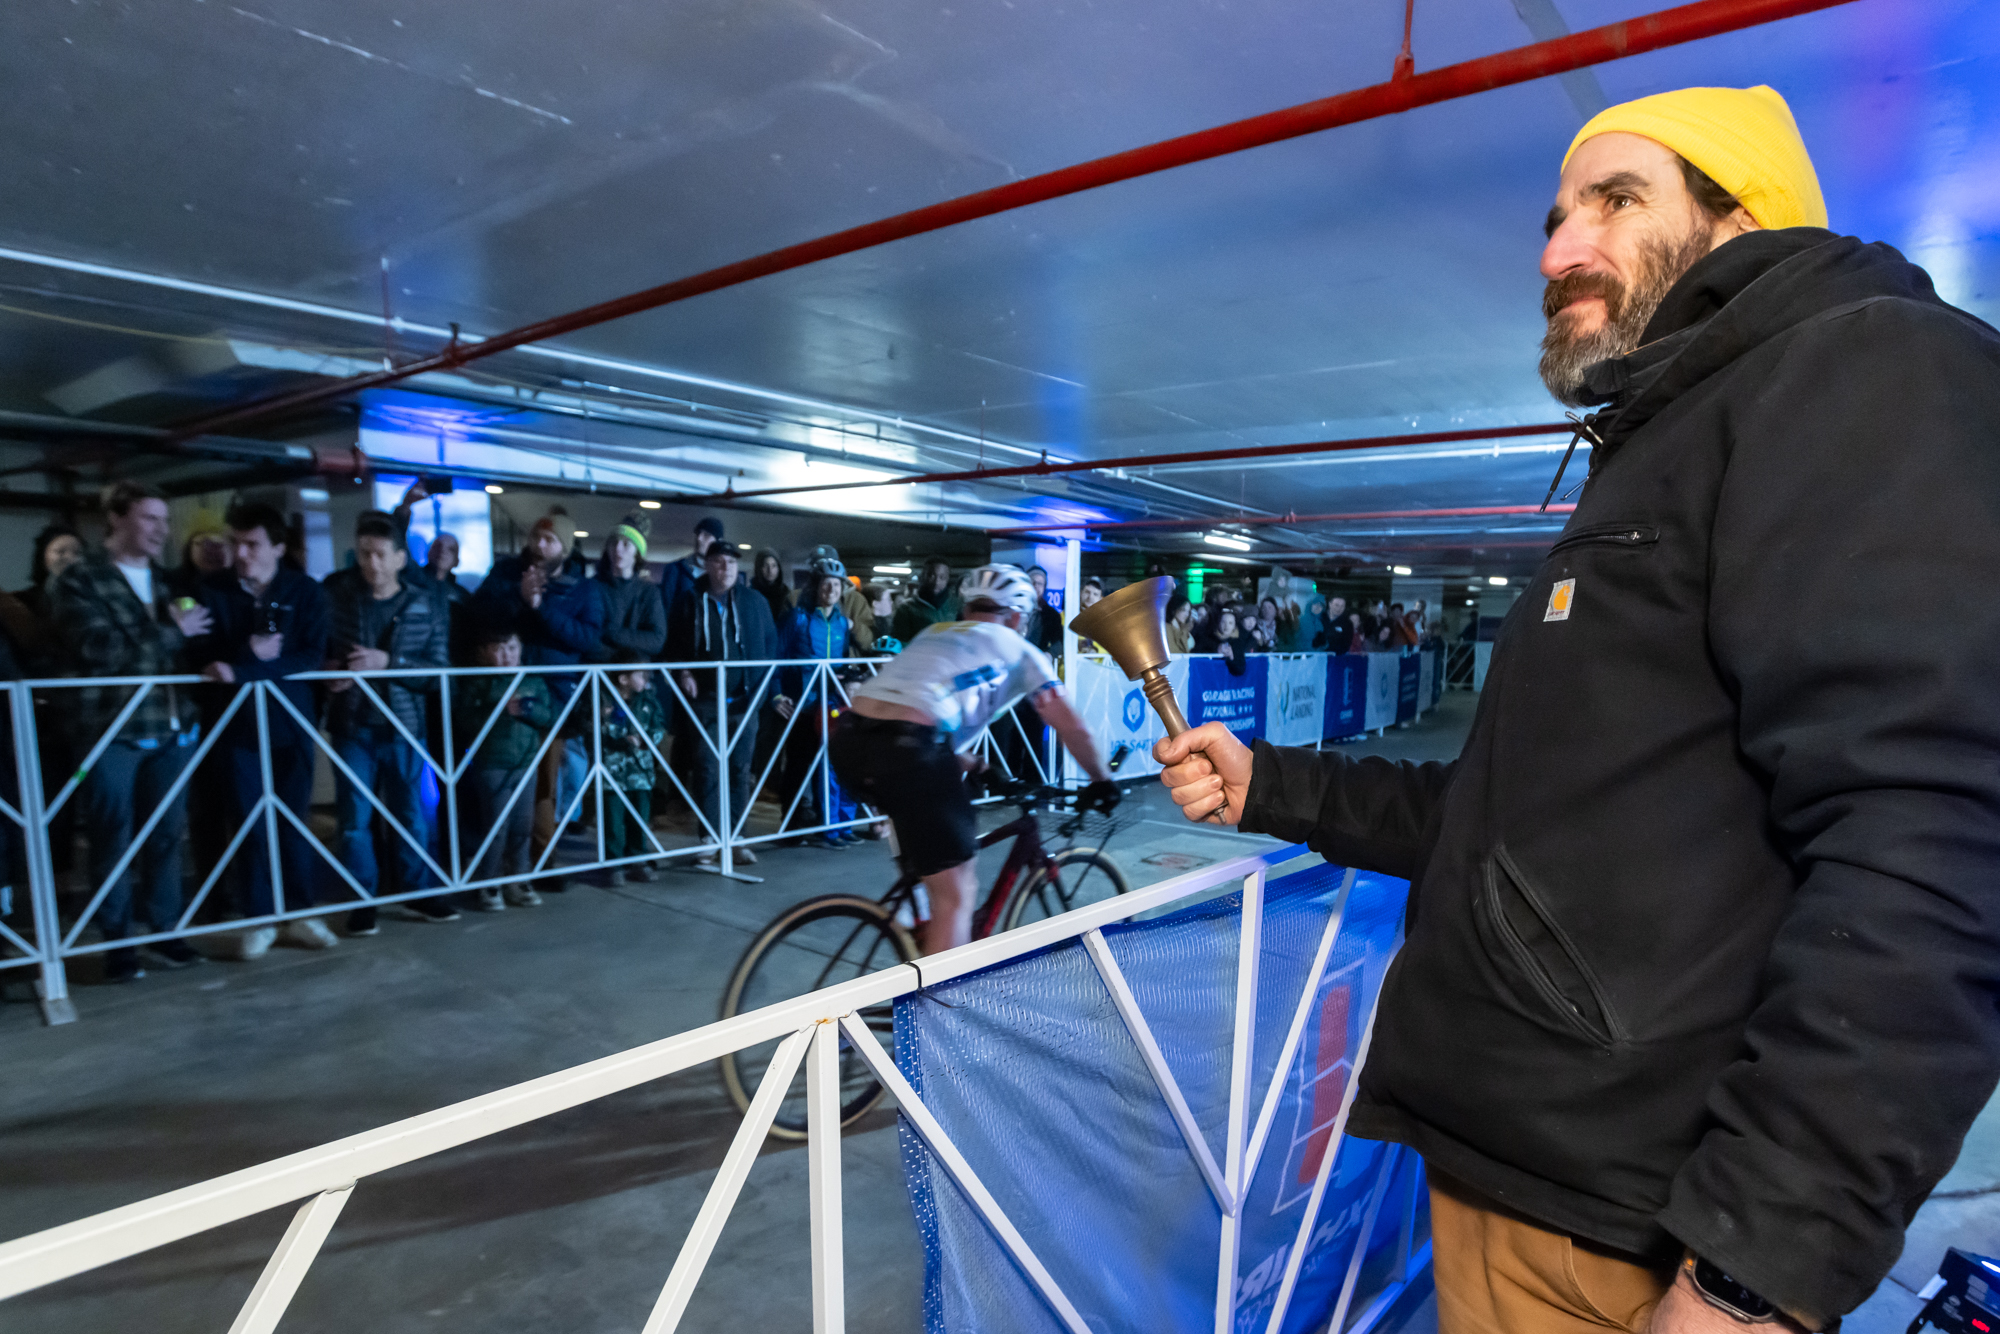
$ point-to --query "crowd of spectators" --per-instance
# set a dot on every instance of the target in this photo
(238, 607)
(1231, 627)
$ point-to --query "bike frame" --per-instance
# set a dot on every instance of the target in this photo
(1026, 853)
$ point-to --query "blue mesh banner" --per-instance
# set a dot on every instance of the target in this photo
(1033, 1074)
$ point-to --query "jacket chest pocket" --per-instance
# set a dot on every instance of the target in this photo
(1516, 917)
(1628, 536)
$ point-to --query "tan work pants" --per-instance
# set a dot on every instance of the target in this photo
(547, 778)
(1498, 1273)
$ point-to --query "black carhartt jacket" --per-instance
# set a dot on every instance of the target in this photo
(1704, 942)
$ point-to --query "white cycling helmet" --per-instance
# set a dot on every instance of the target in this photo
(1004, 584)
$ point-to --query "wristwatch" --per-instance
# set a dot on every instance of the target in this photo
(1725, 1294)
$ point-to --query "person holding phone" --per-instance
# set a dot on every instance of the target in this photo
(268, 620)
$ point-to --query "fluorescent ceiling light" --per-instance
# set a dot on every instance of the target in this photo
(313, 495)
(1497, 580)
(579, 533)
(649, 504)
(1403, 570)
(1225, 540)
(742, 546)
(493, 490)
(894, 569)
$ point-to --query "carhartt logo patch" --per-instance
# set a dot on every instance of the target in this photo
(1560, 598)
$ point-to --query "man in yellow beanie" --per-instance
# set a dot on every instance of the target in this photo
(1699, 993)
(1648, 188)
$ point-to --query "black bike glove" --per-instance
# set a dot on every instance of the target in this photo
(1103, 795)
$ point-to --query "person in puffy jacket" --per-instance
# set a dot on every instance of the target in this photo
(855, 604)
(818, 633)
(379, 619)
(1698, 993)
(635, 622)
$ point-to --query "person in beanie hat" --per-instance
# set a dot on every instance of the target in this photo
(559, 616)
(634, 620)
(1697, 999)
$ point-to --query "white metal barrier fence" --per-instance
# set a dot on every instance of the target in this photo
(258, 714)
(813, 1031)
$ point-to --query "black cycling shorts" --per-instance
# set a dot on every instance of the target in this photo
(910, 773)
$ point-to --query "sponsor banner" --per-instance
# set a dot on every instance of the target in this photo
(1346, 695)
(1409, 677)
(1294, 698)
(1289, 699)
(1216, 696)
(1118, 714)
(1385, 675)
(1038, 1083)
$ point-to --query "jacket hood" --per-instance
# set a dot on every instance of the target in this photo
(1739, 296)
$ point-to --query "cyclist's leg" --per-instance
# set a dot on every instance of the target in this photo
(953, 892)
(912, 776)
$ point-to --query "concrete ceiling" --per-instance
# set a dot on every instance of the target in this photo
(206, 200)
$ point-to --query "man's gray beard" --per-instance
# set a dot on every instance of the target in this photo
(1566, 356)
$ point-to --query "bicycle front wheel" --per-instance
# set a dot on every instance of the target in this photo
(1082, 875)
(819, 943)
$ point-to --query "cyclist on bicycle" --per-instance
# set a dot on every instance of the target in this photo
(899, 747)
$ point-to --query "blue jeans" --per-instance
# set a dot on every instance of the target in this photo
(390, 767)
(708, 767)
(569, 780)
(292, 758)
(120, 793)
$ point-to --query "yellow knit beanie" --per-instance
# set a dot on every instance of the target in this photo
(1744, 138)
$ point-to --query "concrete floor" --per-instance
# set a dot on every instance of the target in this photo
(570, 1224)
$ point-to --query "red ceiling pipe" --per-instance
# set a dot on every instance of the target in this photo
(1045, 468)
(1258, 521)
(1377, 550)
(1613, 41)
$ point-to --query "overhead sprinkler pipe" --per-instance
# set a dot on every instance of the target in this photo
(1235, 453)
(1261, 521)
(1613, 41)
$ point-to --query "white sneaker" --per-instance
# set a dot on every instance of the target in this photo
(746, 856)
(708, 861)
(255, 943)
(490, 900)
(523, 896)
(308, 933)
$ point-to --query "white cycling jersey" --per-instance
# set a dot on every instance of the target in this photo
(962, 673)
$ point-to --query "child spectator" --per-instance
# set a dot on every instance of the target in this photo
(499, 772)
(628, 763)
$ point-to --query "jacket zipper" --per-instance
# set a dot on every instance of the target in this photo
(1611, 534)
(1609, 1031)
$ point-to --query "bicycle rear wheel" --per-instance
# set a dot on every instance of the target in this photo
(819, 943)
(1082, 875)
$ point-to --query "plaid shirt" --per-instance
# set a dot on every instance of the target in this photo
(106, 631)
